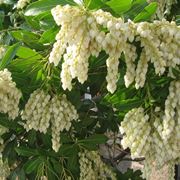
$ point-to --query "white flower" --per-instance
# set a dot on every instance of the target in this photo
(92, 167)
(81, 36)
(43, 111)
(9, 95)
(22, 3)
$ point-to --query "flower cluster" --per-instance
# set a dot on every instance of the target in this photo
(171, 118)
(92, 167)
(43, 111)
(78, 37)
(5, 170)
(37, 112)
(81, 35)
(157, 137)
(22, 3)
(63, 112)
(164, 7)
(137, 131)
(9, 95)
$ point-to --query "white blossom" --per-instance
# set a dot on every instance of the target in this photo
(81, 36)
(37, 112)
(63, 113)
(9, 95)
(92, 167)
(22, 3)
(5, 169)
(44, 111)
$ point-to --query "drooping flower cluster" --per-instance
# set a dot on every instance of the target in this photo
(92, 167)
(77, 37)
(37, 112)
(63, 112)
(171, 120)
(164, 7)
(81, 35)
(22, 3)
(137, 131)
(5, 170)
(9, 95)
(43, 111)
(157, 137)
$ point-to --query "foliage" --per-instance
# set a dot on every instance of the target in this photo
(28, 36)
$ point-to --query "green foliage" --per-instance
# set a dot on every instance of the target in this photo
(120, 6)
(28, 35)
(41, 6)
(147, 12)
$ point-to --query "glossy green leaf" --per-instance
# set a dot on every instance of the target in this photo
(49, 35)
(24, 53)
(93, 4)
(147, 12)
(29, 38)
(95, 139)
(67, 149)
(73, 162)
(137, 7)
(57, 166)
(25, 151)
(38, 7)
(91, 142)
(31, 137)
(9, 152)
(9, 55)
(32, 165)
(120, 6)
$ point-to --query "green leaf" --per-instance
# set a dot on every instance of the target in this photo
(147, 12)
(29, 38)
(67, 149)
(73, 162)
(9, 152)
(120, 6)
(49, 35)
(94, 139)
(38, 7)
(24, 52)
(32, 22)
(1, 19)
(32, 165)
(129, 104)
(137, 7)
(51, 174)
(31, 137)
(4, 121)
(93, 4)
(24, 35)
(25, 151)
(9, 55)
(56, 165)
(91, 142)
